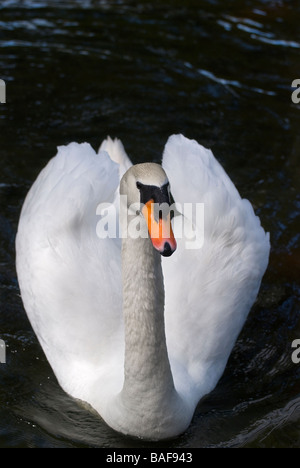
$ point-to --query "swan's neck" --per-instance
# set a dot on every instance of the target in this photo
(148, 374)
(148, 405)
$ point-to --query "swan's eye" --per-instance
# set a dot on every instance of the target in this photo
(158, 194)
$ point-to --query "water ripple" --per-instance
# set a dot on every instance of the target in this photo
(235, 83)
(256, 31)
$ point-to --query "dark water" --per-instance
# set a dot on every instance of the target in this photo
(79, 70)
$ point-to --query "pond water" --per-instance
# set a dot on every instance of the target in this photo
(140, 71)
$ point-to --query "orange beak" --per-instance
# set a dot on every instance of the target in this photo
(160, 231)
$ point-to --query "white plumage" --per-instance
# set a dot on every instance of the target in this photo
(71, 281)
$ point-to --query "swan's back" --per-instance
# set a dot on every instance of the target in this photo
(210, 290)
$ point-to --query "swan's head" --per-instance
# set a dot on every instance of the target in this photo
(147, 191)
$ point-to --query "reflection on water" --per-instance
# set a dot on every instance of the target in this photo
(79, 70)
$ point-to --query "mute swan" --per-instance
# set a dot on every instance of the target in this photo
(141, 343)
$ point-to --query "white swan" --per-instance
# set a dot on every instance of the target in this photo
(142, 365)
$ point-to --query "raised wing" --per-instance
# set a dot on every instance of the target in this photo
(210, 284)
(70, 279)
